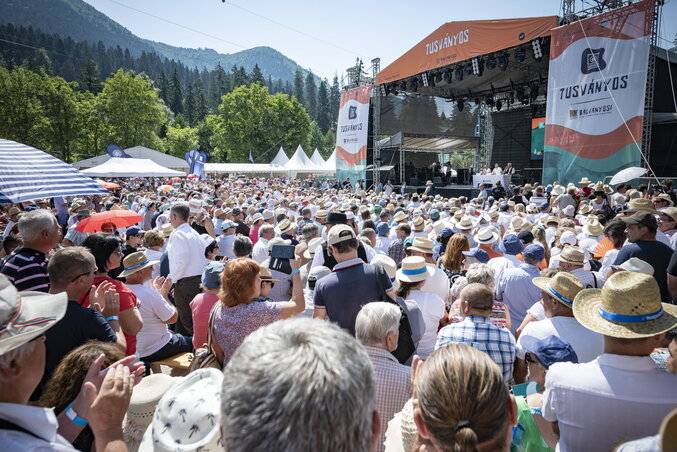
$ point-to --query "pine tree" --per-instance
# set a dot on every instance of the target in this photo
(257, 76)
(311, 95)
(201, 105)
(176, 94)
(163, 85)
(89, 78)
(190, 105)
(334, 99)
(239, 76)
(298, 86)
(269, 84)
(324, 118)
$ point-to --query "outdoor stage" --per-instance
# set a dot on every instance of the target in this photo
(448, 191)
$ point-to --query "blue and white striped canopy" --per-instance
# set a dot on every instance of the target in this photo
(27, 173)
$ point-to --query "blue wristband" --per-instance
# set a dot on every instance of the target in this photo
(112, 317)
(293, 272)
(73, 416)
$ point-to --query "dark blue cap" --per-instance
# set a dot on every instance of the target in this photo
(382, 228)
(550, 350)
(504, 207)
(479, 254)
(534, 252)
(211, 276)
(446, 232)
(133, 230)
(512, 244)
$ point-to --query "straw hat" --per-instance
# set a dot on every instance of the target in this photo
(572, 255)
(313, 245)
(423, 245)
(419, 223)
(670, 212)
(584, 209)
(628, 306)
(429, 182)
(466, 223)
(266, 275)
(402, 433)
(563, 286)
(284, 225)
(414, 269)
(663, 197)
(516, 223)
(550, 219)
(166, 230)
(486, 235)
(558, 189)
(321, 214)
(144, 400)
(400, 216)
(584, 181)
(641, 204)
(593, 227)
(136, 262)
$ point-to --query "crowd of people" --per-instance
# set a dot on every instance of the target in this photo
(319, 316)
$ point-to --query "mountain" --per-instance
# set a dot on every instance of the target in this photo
(83, 22)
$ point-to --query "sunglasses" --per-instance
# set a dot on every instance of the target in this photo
(83, 274)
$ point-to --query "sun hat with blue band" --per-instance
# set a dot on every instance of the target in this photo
(135, 262)
(563, 287)
(413, 269)
(628, 306)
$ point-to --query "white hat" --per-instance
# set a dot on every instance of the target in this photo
(195, 206)
(486, 235)
(278, 241)
(267, 215)
(257, 216)
(313, 245)
(188, 415)
(635, 264)
(568, 238)
(389, 266)
(414, 269)
(335, 236)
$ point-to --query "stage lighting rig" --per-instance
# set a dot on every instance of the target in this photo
(490, 100)
(491, 62)
(447, 76)
(520, 55)
(467, 69)
(503, 60)
(438, 77)
(425, 79)
(477, 66)
(459, 73)
(519, 94)
(384, 90)
(499, 105)
(538, 52)
(393, 89)
(414, 84)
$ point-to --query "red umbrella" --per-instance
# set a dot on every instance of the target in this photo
(120, 218)
(176, 179)
(108, 185)
(192, 176)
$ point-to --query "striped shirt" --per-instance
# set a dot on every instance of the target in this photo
(26, 268)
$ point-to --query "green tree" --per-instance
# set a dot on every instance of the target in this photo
(257, 76)
(239, 76)
(324, 118)
(89, 77)
(22, 114)
(190, 105)
(131, 107)
(316, 138)
(299, 87)
(64, 116)
(334, 101)
(180, 140)
(95, 129)
(163, 85)
(329, 144)
(251, 119)
(311, 96)
(176, 93)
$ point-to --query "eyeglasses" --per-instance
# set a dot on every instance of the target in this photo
(83, 274)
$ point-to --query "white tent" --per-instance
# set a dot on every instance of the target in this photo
(243, 168)
(317, 159)
(123, 167)
(330, 164)
(137, 152)
(280, 159)
(299, 162)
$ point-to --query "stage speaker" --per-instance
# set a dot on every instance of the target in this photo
(517, 179)
(413, 181)
(437, 180)
(463, 176)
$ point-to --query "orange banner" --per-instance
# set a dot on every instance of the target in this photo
(458, 41)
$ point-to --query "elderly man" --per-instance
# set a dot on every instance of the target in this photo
(377, 328)
(477, 330)
(74, 237)
(396, 247)
(307, 367)
(622, 394)
(103, 398)
(26, 266)
(260, 252)
(572, 259)
(227, 239)
(186, 263)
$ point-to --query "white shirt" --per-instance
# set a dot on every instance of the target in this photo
(497, 171)
(153, 255)
(536, 311)
(438, 283)
(40, 421)
(498, 264)
(155, 311)
(432, 308)
(260, 250)
(607, 261)
(225, 243)
(590, 280)
(382, 244)
(186, 253)
(611, 399)
(587, 344)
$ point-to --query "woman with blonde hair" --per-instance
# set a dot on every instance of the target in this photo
(238, 314)
(461, 402)
(539, 238)
(452, 260)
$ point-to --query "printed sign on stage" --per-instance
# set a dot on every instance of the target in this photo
(537, 138)
(596, 87)
(351, 136)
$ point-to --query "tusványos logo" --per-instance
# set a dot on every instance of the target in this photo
(592, 60)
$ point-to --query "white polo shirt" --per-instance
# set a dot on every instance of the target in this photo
(611, 399)
(587, 344)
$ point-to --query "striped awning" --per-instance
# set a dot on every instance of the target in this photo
(27, 173)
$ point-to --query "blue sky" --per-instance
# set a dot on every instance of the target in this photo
(323, 36)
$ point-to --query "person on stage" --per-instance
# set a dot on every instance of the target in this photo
(497, 170)
(509, 169)
(485, 170)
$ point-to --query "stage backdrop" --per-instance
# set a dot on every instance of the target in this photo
(537, 138)
(596, 92)
(351, 136)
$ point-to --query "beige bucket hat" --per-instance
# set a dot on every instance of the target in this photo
(563, 286)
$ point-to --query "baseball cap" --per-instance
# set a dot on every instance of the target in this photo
(133, 230)
(479, 254)
(211, 276)
(642, 217)
(228, 224)
(550, 350)
(340, 233)
(534, 252)
(195, 206)
(526, 236)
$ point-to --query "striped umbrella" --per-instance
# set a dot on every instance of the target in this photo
(27, 173)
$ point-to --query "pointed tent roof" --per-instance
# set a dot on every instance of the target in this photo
(330, 164)
(280, 159)
(123, 167)
(317, 159)
(300, 162)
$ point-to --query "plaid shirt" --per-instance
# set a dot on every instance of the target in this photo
(393, 387)
(396, 250)
(482, 334)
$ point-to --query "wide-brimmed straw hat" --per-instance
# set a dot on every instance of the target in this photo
(284, 225)
(136, 262)
(663, 197)
(414, 269)
(584, 181)
(313, 245)
(593, 227)
(486, 235)
(389, 266)
(584, 209)
(516, 223)
(641, 204)
(635, 264)
(400, 216)
(423, 245)
(563, 286)
(628, 306)
(466, 223)
(266, 275)
(572, 255)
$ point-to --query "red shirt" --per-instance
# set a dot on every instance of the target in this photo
(201, 306)
(127, 301)
(492, 253)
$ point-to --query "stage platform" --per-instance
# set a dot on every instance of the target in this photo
(448, 191)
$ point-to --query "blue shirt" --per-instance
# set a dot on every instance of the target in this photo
(342, 293)
(515, 289)
(480, 333)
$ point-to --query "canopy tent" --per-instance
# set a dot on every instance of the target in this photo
(27, 173)
(280, 159)
(330, 164)
(317, 159)
(244, 168)
(300, 163)
(122, 167)
(138, 152)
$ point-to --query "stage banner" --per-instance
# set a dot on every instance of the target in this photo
(596, 87)
(351, 134)
(537, 138)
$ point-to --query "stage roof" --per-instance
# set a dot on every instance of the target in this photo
(430, 143)
(459, 41)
